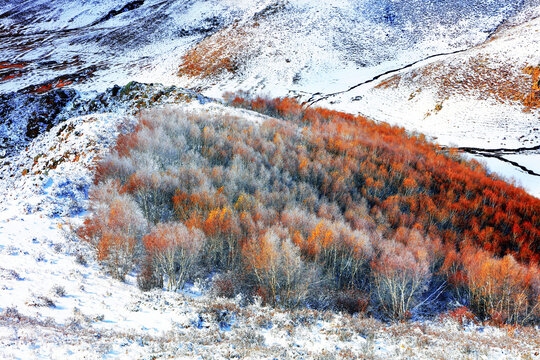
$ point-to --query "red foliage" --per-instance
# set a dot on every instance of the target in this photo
(114, 228)
(462, 315)
(333, 188)
(412, 182)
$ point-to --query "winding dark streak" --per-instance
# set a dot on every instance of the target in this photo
(499, 150)
(311, 101)
(498, 154)
(518, 165)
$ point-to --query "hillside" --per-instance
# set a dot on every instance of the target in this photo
(73, 309)
(269, 179)
(485, 98)
(374, 214)
(322, 52)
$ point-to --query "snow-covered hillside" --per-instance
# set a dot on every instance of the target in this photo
(102, 43)
(315, 51)
(55, 300)
(60, 111)
(310, 47)
(299, 47)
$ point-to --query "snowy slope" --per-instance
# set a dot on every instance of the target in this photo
(482, 88)
(102, 43)
(286, 47)
(305, 47)
(55, 301)
(59, 55)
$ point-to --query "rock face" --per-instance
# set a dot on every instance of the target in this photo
(24, 116)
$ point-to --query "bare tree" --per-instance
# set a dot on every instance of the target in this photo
(174, 248)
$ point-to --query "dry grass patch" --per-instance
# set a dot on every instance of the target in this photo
(482, 77)
(218, 54)
(391, 82)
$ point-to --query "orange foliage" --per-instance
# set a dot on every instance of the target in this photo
(220, 221)
(412, 182)
(260, 254)
(322, 237)
(462, 315)
(6, 65)
(500, 289)
(333, 187)
(485, 78)
(532, 100)
(194, 206)
(392, 81)
(215, 55)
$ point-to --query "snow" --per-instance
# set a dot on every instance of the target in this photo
(530, 161)
(55, 300)
(331, 44)
(464, 119)
(338, 44)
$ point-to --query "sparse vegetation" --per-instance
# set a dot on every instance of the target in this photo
(481, 77)
(58, 290)
(215, 55)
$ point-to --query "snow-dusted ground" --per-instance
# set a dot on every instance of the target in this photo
(305, 48)
(144, 42)
(468, 116)
(290, 47)
(56, 302)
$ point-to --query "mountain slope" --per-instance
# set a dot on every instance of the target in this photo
(310, 47)
(486, 96)
(329, 46)
(56, 302)
(484, 100)
(60, 112)
(101, 42)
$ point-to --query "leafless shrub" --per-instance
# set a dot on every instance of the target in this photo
(174, 248)
(400, 275)
(11, 312)
(58, 290)
(40, 301)
(81, 259)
